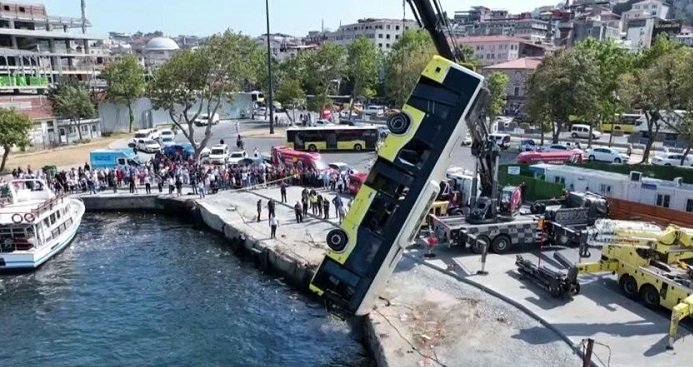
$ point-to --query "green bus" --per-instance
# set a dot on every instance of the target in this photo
(333, 138)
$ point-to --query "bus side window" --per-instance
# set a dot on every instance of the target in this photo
(378, 216)
(414, 154)
(385, 185)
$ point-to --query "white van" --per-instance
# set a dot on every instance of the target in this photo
(204, 119)
(583, 132)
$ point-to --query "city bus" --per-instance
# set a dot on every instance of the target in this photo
(400, 188)
(332, 137)
(626, 123)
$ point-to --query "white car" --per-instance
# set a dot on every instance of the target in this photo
(606, 155)
(146, 134)
(583, 132)
(341, 167)
(167, 133)
(219, 154)
(204, 119)
(467, 140)
(166, 140)
(148, 145)
(374, 110)
(671, 160)
(237, 156)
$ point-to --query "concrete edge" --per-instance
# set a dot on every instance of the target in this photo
(508, 300)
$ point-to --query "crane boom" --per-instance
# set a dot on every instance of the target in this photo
(431, 18)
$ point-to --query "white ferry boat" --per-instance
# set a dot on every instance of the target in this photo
(35, 223)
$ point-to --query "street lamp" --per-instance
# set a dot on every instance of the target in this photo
(270, 105)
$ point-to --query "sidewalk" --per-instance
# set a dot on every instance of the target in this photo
(636, 335)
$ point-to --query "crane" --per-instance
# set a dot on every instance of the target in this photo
(430, 16)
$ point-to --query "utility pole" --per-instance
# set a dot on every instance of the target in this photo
(270, 105)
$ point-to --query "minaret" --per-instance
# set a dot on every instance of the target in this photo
(84, 16)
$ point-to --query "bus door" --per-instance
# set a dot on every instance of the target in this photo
(299, 141)
(331, 140)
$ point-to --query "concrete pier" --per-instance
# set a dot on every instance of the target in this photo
(423, 317)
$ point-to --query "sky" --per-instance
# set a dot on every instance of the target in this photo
(206, 17)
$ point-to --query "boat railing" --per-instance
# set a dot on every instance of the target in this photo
(48, 205)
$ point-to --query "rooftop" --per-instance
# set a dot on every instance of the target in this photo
(529, 63)
(161, 44)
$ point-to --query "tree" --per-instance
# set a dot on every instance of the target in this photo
(14, 131)
(497, 83)
(612, 62)
(403, 66)
(289, 91)
(362, 67)
(125, 83)
(71, 101)
(655, 88)
(197, 80)
(326, 65)
(566, 83)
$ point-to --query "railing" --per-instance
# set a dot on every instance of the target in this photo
(48, 205)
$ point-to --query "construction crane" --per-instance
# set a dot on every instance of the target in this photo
(650, 265)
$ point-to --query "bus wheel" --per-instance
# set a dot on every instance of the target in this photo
(357, 147)
(337, 240)
(501, 244)
(398, 123)
(649, 296)
(312, 148)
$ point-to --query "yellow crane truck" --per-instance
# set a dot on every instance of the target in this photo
(650, 266)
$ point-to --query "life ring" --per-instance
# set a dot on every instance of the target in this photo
(17, 218)
(29, 217)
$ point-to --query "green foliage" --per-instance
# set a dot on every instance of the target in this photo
(324, 66)
(71, 101)
(14, 131)
(403, 66)
(497, 83)
(289, 91)
(125, 82)
(363, 65)
(566, 83)
(196, 81)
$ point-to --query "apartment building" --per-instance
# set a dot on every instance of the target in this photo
(492, 50)
(482, 21)
(284, 45)
(382, 32)
(37, 49)
(518, 72)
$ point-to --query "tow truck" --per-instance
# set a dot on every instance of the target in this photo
(652, 266)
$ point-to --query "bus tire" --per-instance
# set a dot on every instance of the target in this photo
(312, 148)
(337, 240)
(501, 244)
(650, 296)
(398, 124)
(357, 147)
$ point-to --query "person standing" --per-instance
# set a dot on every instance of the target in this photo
(201, 189)
(342, 213)
(133, 188)
(273, 222)
(179, 186)
(319, 205)
(298, 210)
(326, 208)
(282, 190)
(147, 184)
(270, 207)
(304, 201)
(259, 209)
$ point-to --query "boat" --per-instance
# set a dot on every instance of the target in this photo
(35, 223)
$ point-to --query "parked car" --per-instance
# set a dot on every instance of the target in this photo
(147, 145)
(561, 147)
(583, 132)
(528, 145)
(502, 140)
(606, 155)
(374, 110)
(166, 133)
(467, 140)
(671, 160)
(236, 157)
(166, 140)
(340, 167)
(146, 134)
(204, 119)
(218, 154)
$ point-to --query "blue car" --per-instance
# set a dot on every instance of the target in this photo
(184, 149)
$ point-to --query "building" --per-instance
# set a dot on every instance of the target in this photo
(631, 196)
(37, 49)
(647, 9)
(157, 51)
(284, 45)
(492, 50)
(382, 32)
(482, 21)
(518, 72)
